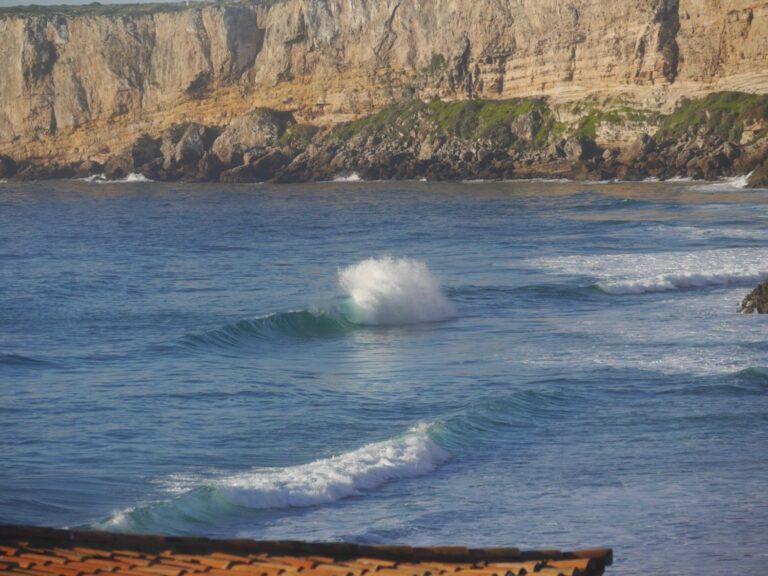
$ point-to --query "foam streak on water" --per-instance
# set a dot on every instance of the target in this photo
(388, 291)
(667, 271)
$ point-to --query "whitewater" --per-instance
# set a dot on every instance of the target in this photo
(535, 364)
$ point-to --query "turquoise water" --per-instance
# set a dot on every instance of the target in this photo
(535, 364)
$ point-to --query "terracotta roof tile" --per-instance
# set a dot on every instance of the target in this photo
(48, 552)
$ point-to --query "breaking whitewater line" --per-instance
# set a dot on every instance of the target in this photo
(316, 483)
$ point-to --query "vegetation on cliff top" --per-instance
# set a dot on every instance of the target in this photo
(530, 123)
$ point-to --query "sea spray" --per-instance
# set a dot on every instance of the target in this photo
(322, 481)
(391, 291)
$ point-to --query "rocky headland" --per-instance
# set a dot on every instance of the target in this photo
(300, 90)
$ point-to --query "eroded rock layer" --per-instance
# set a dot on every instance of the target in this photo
(80, 84)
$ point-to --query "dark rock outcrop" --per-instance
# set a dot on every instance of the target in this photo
(256, 130)
(7, 167)
(759, 178)
(756, 301)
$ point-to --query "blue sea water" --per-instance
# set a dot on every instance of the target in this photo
(536, 364)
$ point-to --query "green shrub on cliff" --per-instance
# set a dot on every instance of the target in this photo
(592, 113)
(521, 122)
(527, 122)
(722, 114)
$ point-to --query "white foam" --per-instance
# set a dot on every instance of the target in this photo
(666, 271)
(352, 177)
(387, 291)
(101, 179)
(331, 479)
(726, 184)
(668, 282)
(322, 481)
(93, 178)
(132, 177)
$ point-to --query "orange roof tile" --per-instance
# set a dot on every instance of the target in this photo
(48, 552)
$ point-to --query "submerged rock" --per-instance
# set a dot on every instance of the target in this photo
(756, 301)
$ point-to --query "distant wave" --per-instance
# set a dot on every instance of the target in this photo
(18, 360)
(669, 282)
(322, 481)
(102, 179)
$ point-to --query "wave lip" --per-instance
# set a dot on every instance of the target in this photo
(670, 282)
(322, 481)
(393, 291)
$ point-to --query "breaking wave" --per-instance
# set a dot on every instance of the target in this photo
(618, 274)
(669, 282)
(725, 184)
(378, 292)
(322, 481)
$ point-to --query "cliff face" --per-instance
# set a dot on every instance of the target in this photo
(77, 85)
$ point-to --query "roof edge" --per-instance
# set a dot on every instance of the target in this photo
(337, 550)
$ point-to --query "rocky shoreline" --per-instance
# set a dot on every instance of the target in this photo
(721, 135)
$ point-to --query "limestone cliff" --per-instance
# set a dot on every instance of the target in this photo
(77, 84)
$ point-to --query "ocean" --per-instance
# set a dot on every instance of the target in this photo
(533, 364)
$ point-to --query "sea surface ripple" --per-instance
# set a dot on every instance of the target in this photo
(535, 364)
